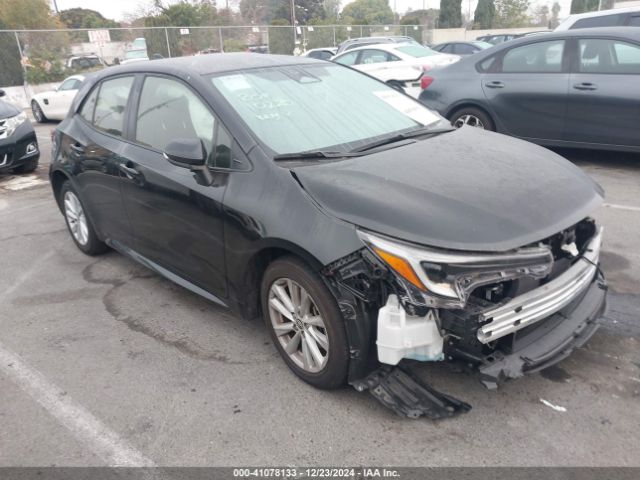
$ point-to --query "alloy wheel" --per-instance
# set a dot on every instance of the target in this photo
(470, 120)
(77, 220)
(298, 325)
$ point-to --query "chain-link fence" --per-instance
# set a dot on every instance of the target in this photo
(33, 57)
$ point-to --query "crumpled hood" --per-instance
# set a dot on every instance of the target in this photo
(466, 190)
(7, 110)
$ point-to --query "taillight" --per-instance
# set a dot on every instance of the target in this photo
(425, 81)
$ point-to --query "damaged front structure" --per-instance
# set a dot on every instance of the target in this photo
(503, 314)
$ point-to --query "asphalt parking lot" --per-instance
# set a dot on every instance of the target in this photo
(103, 362)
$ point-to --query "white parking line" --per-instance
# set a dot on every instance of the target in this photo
(87, 429)
(630, 208)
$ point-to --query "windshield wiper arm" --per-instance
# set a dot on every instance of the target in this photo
(401, 136)
(313, 154)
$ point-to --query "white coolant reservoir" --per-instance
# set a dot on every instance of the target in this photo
(405, 336)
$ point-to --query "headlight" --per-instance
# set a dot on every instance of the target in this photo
(447, 278)
(14, 122)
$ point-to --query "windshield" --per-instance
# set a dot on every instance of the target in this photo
(297, 108)
(483, 45)
(416, 51)
(135, 54)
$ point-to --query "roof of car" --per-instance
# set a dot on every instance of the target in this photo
(380, 46)
(212, 63)
(629, 32)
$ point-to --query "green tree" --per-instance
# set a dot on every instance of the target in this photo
(11, 71)
(367, 12)
(555, 11)
(483, 17)
(421, 17)
(582, 6)
(511, 13)
(281, 38)
(450, 14)
(541, 16)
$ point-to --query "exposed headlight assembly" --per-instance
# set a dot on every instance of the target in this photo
(12, 123)
(446, 278)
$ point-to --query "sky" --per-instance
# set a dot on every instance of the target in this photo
(118, 9)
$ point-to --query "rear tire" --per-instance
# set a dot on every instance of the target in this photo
(308, 332)
(473, 117)
(79, 225)
(38, 114)
(28, 166)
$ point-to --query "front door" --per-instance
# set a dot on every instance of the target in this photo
(177, 222)
(527, 90)
(604, 98)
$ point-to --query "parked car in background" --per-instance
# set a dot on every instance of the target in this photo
(496, 39)
(18, 143)
(364, 41)
(83, 62)
(132, 56)
(619, 17)
(54, 104)
(344, 213)
(136, 52)
(577, 88)
(461, 48)
(258, 49)
(325, 53)
(401, 65)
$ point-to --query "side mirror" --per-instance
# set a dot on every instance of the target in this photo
(2, 93)
(189, 153)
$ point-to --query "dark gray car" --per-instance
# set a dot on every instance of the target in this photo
(578, 88)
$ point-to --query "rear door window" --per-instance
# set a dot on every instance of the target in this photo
(598, 55)
(463, 49)
(541, 57)
(375, 56)
(111, 105)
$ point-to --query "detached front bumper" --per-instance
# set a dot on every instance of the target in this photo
(550, 341)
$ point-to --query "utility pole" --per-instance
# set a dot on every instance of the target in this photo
(293, 21)
(55, 6)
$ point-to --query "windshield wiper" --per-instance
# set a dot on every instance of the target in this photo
(313, 154)
(401, 136)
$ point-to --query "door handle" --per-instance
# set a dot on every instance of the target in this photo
(130, 172)
(76, 147)
(585, 86)
(495, 84)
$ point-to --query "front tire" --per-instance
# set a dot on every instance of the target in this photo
(305, 323)
(472, 117)
(38, 114)
(80, 228)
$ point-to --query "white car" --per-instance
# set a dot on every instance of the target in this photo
(54, 104)
(398, 64)
(617, 17)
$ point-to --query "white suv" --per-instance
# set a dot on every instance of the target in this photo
(619, 17)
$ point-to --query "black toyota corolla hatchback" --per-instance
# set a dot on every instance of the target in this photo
(363, 228)
(18, 144)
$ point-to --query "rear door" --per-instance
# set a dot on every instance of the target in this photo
(527, 88)
(177, 223)
(604, 99)
(93, 142)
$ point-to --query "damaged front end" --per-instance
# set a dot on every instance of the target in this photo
(500, 314)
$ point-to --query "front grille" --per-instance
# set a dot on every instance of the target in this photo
(543, 301)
